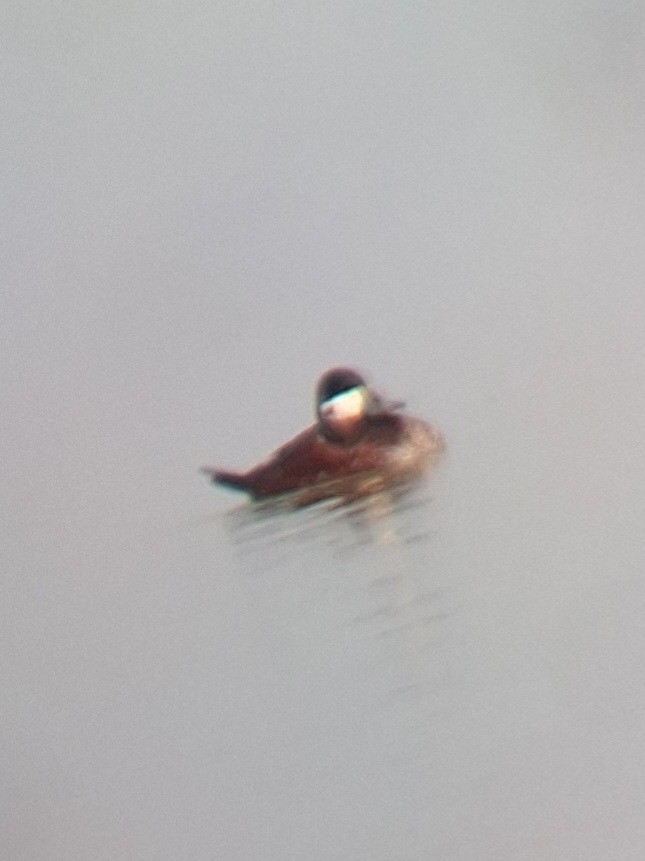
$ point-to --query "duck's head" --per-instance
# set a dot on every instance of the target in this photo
(342, 402)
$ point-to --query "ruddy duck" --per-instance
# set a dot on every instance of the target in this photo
(359, 445)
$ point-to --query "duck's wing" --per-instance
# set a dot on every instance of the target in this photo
(297, 463)
(303, 461)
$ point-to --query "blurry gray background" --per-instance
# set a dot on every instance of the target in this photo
(204, 205)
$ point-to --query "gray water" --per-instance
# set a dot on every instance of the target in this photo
(206, 206)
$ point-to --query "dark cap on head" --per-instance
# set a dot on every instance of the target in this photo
(337, 380)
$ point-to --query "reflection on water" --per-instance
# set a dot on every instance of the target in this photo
(373, 566)
(374, 518)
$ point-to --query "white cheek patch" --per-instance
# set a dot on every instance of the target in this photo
(347, 405)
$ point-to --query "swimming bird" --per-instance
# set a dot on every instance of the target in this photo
(359, 444)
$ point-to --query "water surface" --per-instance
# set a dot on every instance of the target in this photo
(204, 209)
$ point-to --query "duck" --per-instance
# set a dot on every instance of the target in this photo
(359, 444)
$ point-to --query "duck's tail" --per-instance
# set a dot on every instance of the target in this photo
(234, 480)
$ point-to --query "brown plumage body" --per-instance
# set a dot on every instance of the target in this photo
(341, 458)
